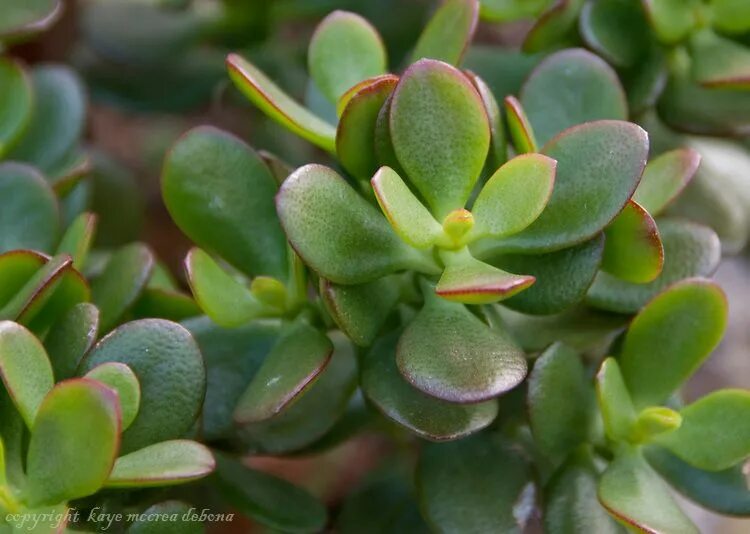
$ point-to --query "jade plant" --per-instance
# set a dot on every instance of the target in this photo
(463, 255)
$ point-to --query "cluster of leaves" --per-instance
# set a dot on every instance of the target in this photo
(463, 237)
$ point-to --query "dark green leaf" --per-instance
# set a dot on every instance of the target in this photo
(554, 25)
(71, 337)
(633, 250)
(615, 29)
(16, 105)
(77, 239)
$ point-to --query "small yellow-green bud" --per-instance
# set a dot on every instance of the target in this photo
(654, 421)
(269, 291)
(457, 224)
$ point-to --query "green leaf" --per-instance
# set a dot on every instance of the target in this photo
(689, 250)
(570, 503)
(553, 26)
(476, 484)
(449, 32)
(54, 301)
(440, 133)
(279, 106)
(448, 353)
(271, 501)
(210, 183)
(29, 214)
(147, 521)
(57, 119)
(221, 296)
(498, 142)
(617, 30)
(37, 291)
(16, 102)
(17, 267)
(599, 165)
(665, 177)
(633, 250)
(80, 421)
(644, 82)
(312, 416)
(77, 239)
(337, 232)
(299, 356)
(519, 127)
(719, 62)
(360, 311)
(409, 218)
(21, 17)
(162, 464)
(569, 88)
(514, 196)
(724, 491)
(355, 134)
(653, 422)
(232, 358)
(169, 368)
(470, 281)
(633, 493)
(121, 379)
(386, 154)
(426, 416)
(25, 369)
(509, 10)
(165, 303)
(344, 50)
(715, 431)
(730, 16)
(559, 399)
(123, 280)
(672, 20)
(615, 404)
(654, 361)
(562, 277)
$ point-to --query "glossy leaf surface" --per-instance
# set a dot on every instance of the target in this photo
(121, 379)
(71, 337)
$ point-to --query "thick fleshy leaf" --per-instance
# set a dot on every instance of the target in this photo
(273, 101)
(169, 368)
(672, 20)
(562, 277)
(665, 177)
(715, 431)
(560, 401)
(468, 280)
(17, 267)
(449, 32)
(719, 62)
(54, 297)
(426, 416)
(314, 414)
(25, 369)
(633, 493)
(723, 491)
(180, 516)
(360, 311)
(15, 102)
(165, 303)
(440, 133)
(120, 378)
(599, 165)
(569, 88)
(514, 196)
(344, 50)
(689, 250)
(121, 282)
(77, 239)
(615, 29)
(448, 353)
(37, 291)
(210, 183)
(730, 16)
(553, 26)
(268, 500)
(232, 358)
(655, 362)
(355, 134)
(221, 296)
(645, 81)
(633, 250)
(337, 232)
(509, 10)
(162, 464)
(299, 356)
(21, 17)
(29, 215)
(71, 337)
(519, 127)
(409, 218)
(615, 404)
(570, 504)
(80, 421)
(57, 119)
(477, 484)
(498, 141)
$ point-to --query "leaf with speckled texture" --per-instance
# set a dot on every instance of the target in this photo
(71, 337)
(498, 141)
(633, 250)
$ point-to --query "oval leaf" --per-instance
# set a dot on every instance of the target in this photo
(71, 337)
(120, 378)
(449, 32)
(615, 404)
(665, 177)
(521, 132)
(633, 250)
(16, 104)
